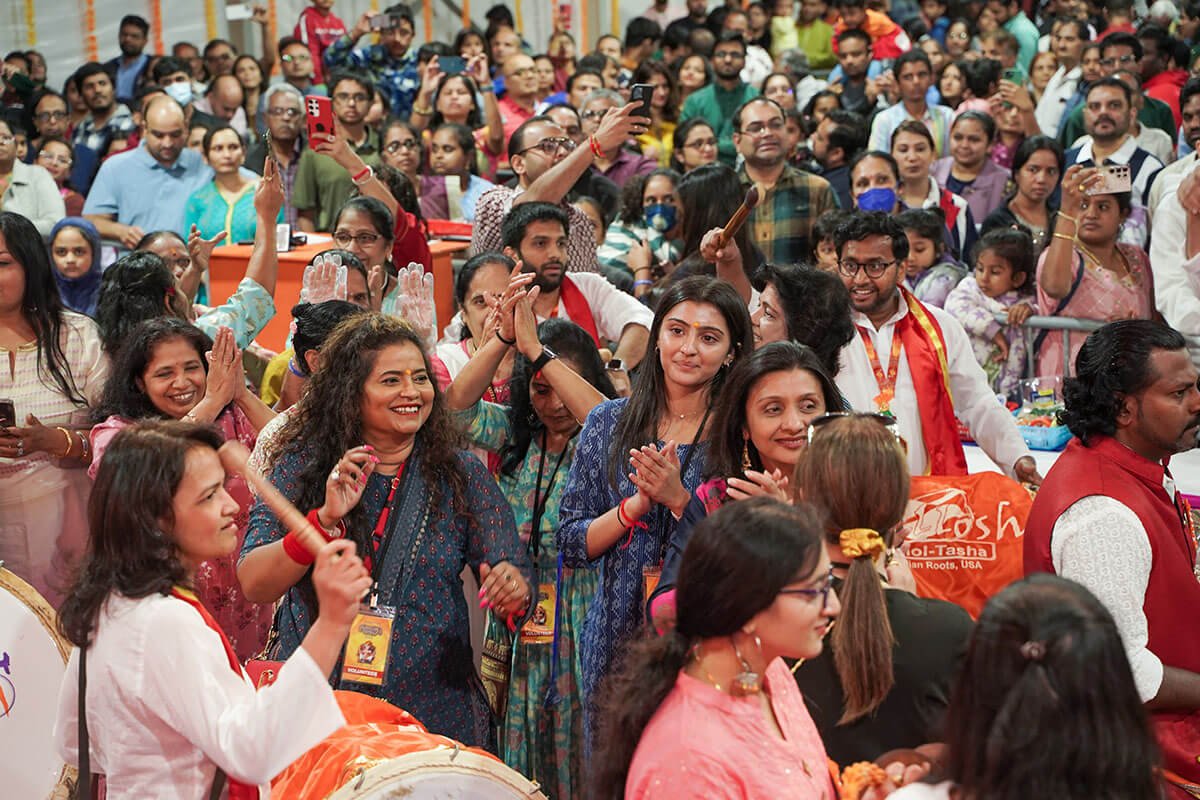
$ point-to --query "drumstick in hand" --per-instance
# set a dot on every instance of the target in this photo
(234, 455)
(753, 198)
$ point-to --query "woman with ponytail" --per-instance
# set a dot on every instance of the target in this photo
(884, 683)
(709, 709)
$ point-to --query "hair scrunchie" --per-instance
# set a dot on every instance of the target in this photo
(859, 542)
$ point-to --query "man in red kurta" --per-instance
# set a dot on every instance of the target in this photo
(1109, 516)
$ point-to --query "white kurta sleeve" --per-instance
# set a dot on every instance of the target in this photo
(1100, 543)
(1176, 279)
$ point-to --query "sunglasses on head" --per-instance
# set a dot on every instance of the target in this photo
(886, 420)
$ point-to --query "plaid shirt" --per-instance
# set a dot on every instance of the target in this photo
(119, 125)
(782, 223)
(397, 79)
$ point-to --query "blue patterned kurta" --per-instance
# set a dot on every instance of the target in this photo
(431, 673)
(616, 615)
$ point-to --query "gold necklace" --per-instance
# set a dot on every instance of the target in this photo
(1100, 264)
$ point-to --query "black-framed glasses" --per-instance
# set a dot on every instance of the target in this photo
(347, 97)
(874, 269)
(344, 239)
(551, 146)
(823, 592)
(886, 420)
(401, 144)
(758, 128)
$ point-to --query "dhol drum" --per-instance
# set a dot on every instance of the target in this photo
(33, 659)
(385, 753)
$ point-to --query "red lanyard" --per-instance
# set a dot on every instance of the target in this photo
(381, 524)
(886, 383)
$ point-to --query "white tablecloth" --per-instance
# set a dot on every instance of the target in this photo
(1185, 467)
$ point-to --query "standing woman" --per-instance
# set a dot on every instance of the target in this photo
(452, 188)
(805, 305)
(227, 203)
(54, 369)
(169, 711)
(371, 454)
(657, 141)
(56, 157)
(402, 150)
(1036, 169)
(912, 147)
(694, 144)
(621, 515)
(967, 171)
(75, 253)
(250, 75)
(885, 682)
(558, 379)
(169, 369)
(692, 74)
(1041, 70)
(455, 98)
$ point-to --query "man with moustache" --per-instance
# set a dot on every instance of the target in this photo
(1068, 39)
(717, 101)
(107, 121)
(535, 236)
(145, 189)
(1167, 180)
(1110, 517)
(914, 362)
(284, 112)
(782, 222)
(130, 67)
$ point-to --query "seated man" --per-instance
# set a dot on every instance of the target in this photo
(930, 375)
(1109, 516)
(535, 236)
(547, 164)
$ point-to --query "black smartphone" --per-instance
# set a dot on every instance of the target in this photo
(8, 414)
(641, 93)
(452, 65)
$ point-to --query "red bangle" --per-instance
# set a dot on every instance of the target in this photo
(365, 172)
(595, 145)
(296, 551)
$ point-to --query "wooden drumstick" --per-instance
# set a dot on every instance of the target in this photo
(753, 198)
(234, 455)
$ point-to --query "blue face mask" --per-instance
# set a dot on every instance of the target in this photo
(180, 92)
(661, 217)
(877, 200)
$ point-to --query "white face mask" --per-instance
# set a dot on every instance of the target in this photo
(180, 92)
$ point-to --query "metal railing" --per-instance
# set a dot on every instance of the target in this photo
(1065, 325)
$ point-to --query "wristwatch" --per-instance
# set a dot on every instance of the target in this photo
(615, 365)
(544, 359)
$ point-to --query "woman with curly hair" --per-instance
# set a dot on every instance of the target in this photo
(535, 437)
(371, 454)
(806, 305)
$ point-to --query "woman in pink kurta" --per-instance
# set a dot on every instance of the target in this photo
(709, 709)
(1085, 272)
(160, 373)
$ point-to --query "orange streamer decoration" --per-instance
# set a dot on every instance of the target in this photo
(156, 24)
(428, 9)
(89, 31)
(273, 27)
(30, 23)
(466, 13)
(210, 19)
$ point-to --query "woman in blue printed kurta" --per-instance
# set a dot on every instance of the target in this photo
(639, 460)
(542, 734)
(443, 511)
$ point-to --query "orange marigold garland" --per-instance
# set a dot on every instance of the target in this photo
(857, 778)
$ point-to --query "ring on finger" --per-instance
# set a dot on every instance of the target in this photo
(337, 473)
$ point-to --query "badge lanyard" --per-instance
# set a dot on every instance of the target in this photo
(886, 383)
(539, 499)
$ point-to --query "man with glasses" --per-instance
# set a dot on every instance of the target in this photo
(782, 222)
(317, 28)
(219, 56)
(622, 164)
(298, 69)
(322, 185)
(547, 165)
(1068, 38)
(915, 362)
(391, 64)
(285, 120)
(591, 183)
(718, 101)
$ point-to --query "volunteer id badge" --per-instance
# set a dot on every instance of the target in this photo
(540, 627)
(366, 657)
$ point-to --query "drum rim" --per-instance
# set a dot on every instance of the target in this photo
(465, 761)
(46, 614)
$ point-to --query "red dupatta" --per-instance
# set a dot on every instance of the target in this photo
(578, 310)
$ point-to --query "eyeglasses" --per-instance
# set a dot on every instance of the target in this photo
(823, 592)
(402, 144)
(364, 239)
(700, 144)
(873, 269)
(523, 71)
(289, 113)
(757, 128)
(595, 113)
(346, 97)
(47, 116)
(52, 159)
(551, 146)
(886, 420)
(729, 55)
(1112, 62)
(963, 35)
(297, 57)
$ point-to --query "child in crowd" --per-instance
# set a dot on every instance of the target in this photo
(933, 14)
(930, 269)
(785, 33)
(318, 27)
(1004, 267)
(824, 248)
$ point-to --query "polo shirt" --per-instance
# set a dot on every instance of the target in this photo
(782, 223)
(142, 192)
(323, 186)
(717, 106)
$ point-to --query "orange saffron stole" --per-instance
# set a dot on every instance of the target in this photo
(925, 349)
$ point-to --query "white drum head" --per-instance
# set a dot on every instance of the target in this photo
(439, 774)
(33, 659)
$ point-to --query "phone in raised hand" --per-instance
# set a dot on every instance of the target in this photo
(318, 113)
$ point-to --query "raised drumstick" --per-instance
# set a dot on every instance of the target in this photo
(234, 455)
(753, 198)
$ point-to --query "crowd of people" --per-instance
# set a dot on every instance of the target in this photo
(667, 466)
